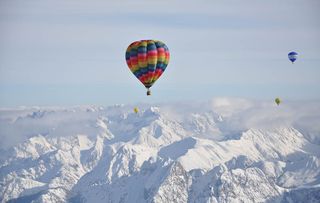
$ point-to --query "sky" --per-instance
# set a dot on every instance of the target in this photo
(73, 52)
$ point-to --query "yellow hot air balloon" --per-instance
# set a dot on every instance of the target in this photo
(278, 101)
(136, 110)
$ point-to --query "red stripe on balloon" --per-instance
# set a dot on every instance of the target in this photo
(129, 63)
(142, 54)
(152, 53)
(161, 50)
(159, 73)
(134, 60)
(142, 57)
(150, 76)
(143, 79)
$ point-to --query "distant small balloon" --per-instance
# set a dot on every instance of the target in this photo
(278, 101)
(136, 110)
(293, 56)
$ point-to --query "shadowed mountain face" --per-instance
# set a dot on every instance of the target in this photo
(218, 151)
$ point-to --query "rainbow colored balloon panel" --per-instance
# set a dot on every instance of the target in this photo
(147, 60)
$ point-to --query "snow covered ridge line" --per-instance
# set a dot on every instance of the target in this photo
(219, 151)
(79, 169)
(230, 115)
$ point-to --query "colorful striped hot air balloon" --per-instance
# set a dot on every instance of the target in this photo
(292, 56)
(147, 60)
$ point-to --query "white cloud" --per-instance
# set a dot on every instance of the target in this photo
(237, 114)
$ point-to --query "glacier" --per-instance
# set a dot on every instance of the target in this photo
(222, 150)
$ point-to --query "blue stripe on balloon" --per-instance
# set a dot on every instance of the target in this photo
(151, 67)
(293, 53)
(127, 55)
(142, 49)
(151, 46)
(133, 52)
(159, 44)
(141, 72)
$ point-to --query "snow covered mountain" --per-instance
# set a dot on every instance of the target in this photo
(224, 150)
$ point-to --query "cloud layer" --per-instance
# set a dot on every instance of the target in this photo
(221, 118)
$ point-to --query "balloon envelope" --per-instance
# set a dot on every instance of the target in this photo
(147, 60)
(292, 56)
(136, 110)
(278, 101)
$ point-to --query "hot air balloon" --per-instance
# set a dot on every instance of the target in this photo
(136, 110)
(147, 60)
(278, 101)
(292, 56)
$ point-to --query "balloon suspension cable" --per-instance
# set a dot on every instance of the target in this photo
(149, 92)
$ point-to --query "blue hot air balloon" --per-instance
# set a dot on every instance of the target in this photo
(292, 56)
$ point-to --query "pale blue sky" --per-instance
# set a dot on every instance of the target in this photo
(72, 52)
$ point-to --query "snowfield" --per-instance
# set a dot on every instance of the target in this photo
(223, 150)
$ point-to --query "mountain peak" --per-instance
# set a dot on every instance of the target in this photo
(221, 151)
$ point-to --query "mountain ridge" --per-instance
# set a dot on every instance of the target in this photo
(117, 156)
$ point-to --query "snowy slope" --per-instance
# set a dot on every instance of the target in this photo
(224, 150)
